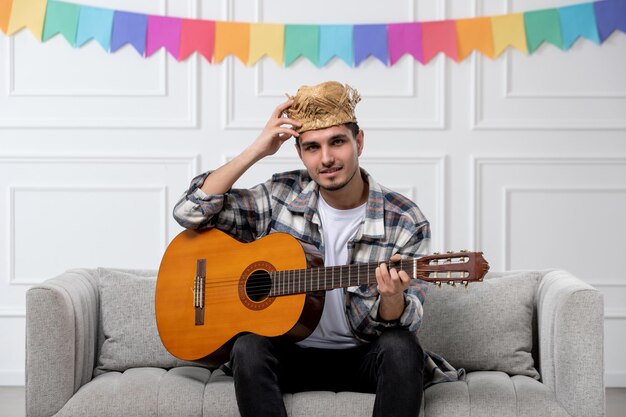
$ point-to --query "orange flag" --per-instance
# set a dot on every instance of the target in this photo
(30, 14)
(232, 38)
(5, 14)
(508, 30)
(474, 34)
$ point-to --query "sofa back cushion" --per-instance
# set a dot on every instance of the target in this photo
(129, 336)
(487, 326)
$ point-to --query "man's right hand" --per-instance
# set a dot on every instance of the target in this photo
(278, 129)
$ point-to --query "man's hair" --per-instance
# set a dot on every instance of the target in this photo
(352, 126)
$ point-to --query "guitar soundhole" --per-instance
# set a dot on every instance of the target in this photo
(258, 286)
(255, 284)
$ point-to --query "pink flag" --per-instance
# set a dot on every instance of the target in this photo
(439, 37)
(163, 31)
(197, 36)
(404, 38)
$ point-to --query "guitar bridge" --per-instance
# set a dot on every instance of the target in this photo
(198, 291)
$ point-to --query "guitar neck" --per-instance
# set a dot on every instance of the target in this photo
(328, 278)
(450, 268)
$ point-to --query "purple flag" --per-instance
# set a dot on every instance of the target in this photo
(163, 31)
(370, 40)
(129, 28)
(610, 16)
(405, 38)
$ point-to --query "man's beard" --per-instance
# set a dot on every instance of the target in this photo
(339, 186)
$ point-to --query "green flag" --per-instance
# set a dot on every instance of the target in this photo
(543, 25)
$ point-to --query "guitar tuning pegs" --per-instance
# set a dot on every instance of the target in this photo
(435, 253)
(438, 283)
(465, 283)
(463, 250)
(452, 283)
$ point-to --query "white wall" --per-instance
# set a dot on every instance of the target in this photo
(523, 157)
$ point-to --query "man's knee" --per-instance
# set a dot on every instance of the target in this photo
(401, 347)
(249, 349)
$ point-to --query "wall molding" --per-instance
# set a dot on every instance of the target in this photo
(478, 120)
(98, 121)
(478, 162)
(508, 191)
(12, 378)
(190, 161)
(13, 190)
(615, 379)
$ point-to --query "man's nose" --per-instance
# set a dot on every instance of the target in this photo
(327, 156)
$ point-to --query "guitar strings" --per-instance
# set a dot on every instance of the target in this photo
(287, 285)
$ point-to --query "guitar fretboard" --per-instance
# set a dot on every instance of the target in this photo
(327, 278)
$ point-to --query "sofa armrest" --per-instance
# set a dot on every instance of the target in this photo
(61, 338)
(571, 342)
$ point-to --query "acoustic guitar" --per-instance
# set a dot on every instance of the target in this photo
(212, 288)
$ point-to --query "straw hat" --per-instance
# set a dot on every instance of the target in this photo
(324, 105)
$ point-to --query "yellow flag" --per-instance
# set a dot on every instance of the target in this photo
(231, 38)
(28, 13)
(267, 39)
(508, 30)
(474, 34)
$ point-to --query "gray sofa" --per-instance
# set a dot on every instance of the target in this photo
(530, 342)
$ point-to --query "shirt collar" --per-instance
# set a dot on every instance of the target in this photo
(374, 224)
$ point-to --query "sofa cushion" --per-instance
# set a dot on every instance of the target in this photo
(486, 326)
(127, 315)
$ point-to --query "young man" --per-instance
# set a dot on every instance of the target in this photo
(365, 340)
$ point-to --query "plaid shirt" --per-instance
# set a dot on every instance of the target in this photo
(288, 203)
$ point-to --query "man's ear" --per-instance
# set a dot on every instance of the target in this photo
(360, 141)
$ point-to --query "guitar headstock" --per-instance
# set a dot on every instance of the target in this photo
(451, 268)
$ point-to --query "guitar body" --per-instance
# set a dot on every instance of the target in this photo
(231, 303)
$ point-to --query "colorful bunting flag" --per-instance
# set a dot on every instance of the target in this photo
(404, 38)
(163, 32)
(474, 34)
(5, 14)
(508, 30)
(370, 40)
(302, 40)
(439, 37)
(232, 38)
(543, 25)
(576, 21)
(197, 36)
(266, 39)
(610, 16)
(250, 42)
(336, 41)
(27, 14)
(129, 28)
(61, 18)
(95, 23)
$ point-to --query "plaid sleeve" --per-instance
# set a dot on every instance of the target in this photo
(242, 213)
(364, 300)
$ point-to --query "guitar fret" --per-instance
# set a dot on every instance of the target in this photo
(318, 279)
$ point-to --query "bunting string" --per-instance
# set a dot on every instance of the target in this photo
(285, 43)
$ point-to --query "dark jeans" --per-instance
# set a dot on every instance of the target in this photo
(391, 367)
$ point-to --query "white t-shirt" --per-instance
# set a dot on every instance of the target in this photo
(338, 227)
